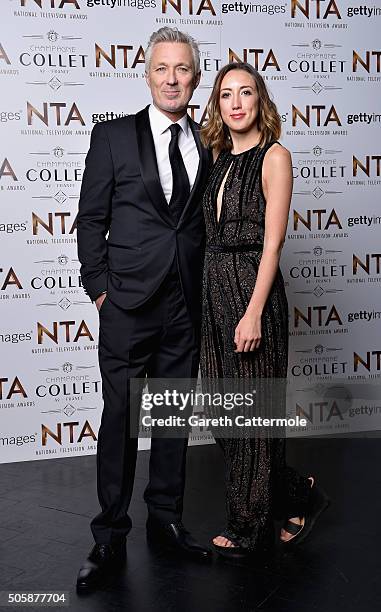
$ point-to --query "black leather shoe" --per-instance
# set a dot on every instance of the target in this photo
(102, 559)
(177, 538)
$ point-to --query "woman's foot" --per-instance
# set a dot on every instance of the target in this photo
(298, 521)
(285, 535)
(223, 542)
(230, 550)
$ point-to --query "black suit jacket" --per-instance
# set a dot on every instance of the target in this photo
(127, 236)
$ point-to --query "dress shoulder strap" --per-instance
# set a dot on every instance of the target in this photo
(260, 162)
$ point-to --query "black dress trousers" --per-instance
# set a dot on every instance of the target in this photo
(157, 340)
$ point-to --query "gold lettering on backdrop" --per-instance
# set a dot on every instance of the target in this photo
(357, 262)
(305, 116)
(333, 316)
(49, 225)
(86, 431)
(73, 114)
(305, 8)
(269, 61)
(205, 5)
(16, 388)
(10, 279)
(3, 55)
(111, 58)
(53, 3)
(333, 219)
(367, 362)
(366, 168)
(7, 170)
(82, 331)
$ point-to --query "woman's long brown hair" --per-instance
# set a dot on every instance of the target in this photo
(215, 134)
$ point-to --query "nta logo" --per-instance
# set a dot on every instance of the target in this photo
(14, 388)
(317, 218)
(52, 112)
(59, 4)
(316, 112)
(372, 59)
(85, 432)
(11, 279)
(203, 5)
(371, 162)
(113, 56)
(67, 334)
(318, 9)
(3, 55)
(56, 223)
(314, 316)
(7, 170)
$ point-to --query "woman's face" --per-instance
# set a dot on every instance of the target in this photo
(239, 101)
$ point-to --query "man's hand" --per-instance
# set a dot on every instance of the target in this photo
(99, 301)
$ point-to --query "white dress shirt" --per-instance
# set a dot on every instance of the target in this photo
(187, 145)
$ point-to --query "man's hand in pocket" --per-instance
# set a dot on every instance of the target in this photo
(99, 301)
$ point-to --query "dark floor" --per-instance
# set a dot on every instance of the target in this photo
(46, 506)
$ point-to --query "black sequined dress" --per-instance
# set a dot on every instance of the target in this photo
(258, 481)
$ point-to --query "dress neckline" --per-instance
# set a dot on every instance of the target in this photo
(243, 152)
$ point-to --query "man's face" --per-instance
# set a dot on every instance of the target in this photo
(171, 78)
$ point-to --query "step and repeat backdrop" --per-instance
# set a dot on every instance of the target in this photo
(66, 65)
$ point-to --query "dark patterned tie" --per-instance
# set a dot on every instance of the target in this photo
(180, 185)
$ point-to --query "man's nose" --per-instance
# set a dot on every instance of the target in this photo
(172, 76)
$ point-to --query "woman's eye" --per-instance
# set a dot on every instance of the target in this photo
(247, 92)
(224, 95)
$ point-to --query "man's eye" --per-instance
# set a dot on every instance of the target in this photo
(183, 69)
(160, 69)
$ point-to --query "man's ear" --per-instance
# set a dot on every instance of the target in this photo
(197, 79)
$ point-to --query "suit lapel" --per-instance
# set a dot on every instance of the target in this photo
(149, 170)
(148, 165)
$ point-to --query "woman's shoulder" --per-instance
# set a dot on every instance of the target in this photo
(276, 153)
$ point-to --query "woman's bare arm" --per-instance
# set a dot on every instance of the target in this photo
(277, 189)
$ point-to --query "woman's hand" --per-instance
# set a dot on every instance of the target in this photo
(247, 335)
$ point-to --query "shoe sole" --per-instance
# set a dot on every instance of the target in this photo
(232, 552)
(156, 543)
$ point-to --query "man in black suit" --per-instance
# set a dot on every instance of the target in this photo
(143, 185)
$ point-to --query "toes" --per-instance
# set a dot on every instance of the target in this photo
(219, 541)
(284, 535)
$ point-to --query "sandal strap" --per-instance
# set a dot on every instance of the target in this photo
(292, 528)
(225, 533)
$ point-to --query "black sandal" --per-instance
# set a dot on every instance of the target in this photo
(293, 529)
(317, 503)
(231, 552)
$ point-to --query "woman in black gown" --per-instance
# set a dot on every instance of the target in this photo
(245, 314)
